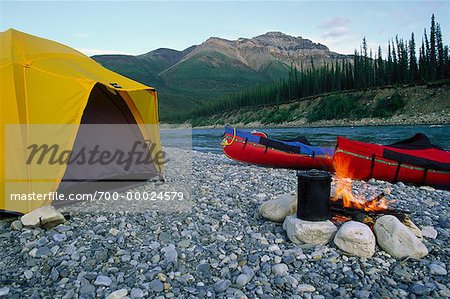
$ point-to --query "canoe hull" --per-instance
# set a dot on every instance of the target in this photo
(362, 161)
(253, 153)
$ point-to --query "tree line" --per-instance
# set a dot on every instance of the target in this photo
(363, 70)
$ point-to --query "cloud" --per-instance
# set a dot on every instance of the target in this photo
(334, 22)
(336, 32)
(80, 34)
(91, 52)
(335, 28)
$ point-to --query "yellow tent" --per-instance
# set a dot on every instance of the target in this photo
(48, 92)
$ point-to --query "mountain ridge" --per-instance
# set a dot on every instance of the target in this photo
(218, 66)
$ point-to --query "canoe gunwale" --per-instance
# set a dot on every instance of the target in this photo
(387, 162)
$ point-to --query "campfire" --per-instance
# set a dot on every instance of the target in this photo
(344, 205)
(354, 222)
(347, 205)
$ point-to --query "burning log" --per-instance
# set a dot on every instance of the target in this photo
(337, 205)
(353, 214)
(400, 214)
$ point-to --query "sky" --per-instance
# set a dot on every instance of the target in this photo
(113, 27)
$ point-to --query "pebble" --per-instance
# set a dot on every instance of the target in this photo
(4, 291)
(437, 269)
(222, 285)
(114, 231)
(242, 280)
(363, 294)
(265, 258)
(87, 289)
(16, 225)
(59, 237)
(419, 289)
(28, 274)
(184, 243)
(170, 253)
(305, 288)
(101, 219)
(156, 286)
(102, 281)
(429, 232)
(119, 294)
(43, 252)
(280, 269)
(136, 293)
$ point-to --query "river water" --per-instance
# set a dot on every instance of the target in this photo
(208, 140)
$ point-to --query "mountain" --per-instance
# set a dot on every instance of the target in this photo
(260, 52)
(134, 67)
(164, 58)
(218, 66)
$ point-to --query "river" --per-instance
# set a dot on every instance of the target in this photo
(208, 140)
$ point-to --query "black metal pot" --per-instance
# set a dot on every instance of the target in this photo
(313, 195)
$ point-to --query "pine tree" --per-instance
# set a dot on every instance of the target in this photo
(390, 66)
(422, 61)
(395, 72)
(413, 72)
(433, 62)
(380, 76)
(440, 52)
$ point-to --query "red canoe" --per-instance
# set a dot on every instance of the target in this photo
(256, 148)
(414, 160)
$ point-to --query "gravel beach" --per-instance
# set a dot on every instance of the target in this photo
(214, 244)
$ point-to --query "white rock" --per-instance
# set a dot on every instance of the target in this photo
(114, 231)
(355, 238)
(280, 269)
(305, 288)
(309, 232)
(46, 216)
(427, 188)
(397, 239)
(265, 258)
(273, 247)
(278, 209)
(429, 232)
(118, 294)
(33, 252)
(16, 225)
(28, 274)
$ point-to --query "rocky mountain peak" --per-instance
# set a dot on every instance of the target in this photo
(275, 34)
(279, 39)
(262, 50)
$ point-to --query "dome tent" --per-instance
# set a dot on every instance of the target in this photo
(52, 94)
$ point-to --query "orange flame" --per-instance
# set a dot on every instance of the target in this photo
(344, 191)
(350, 200)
